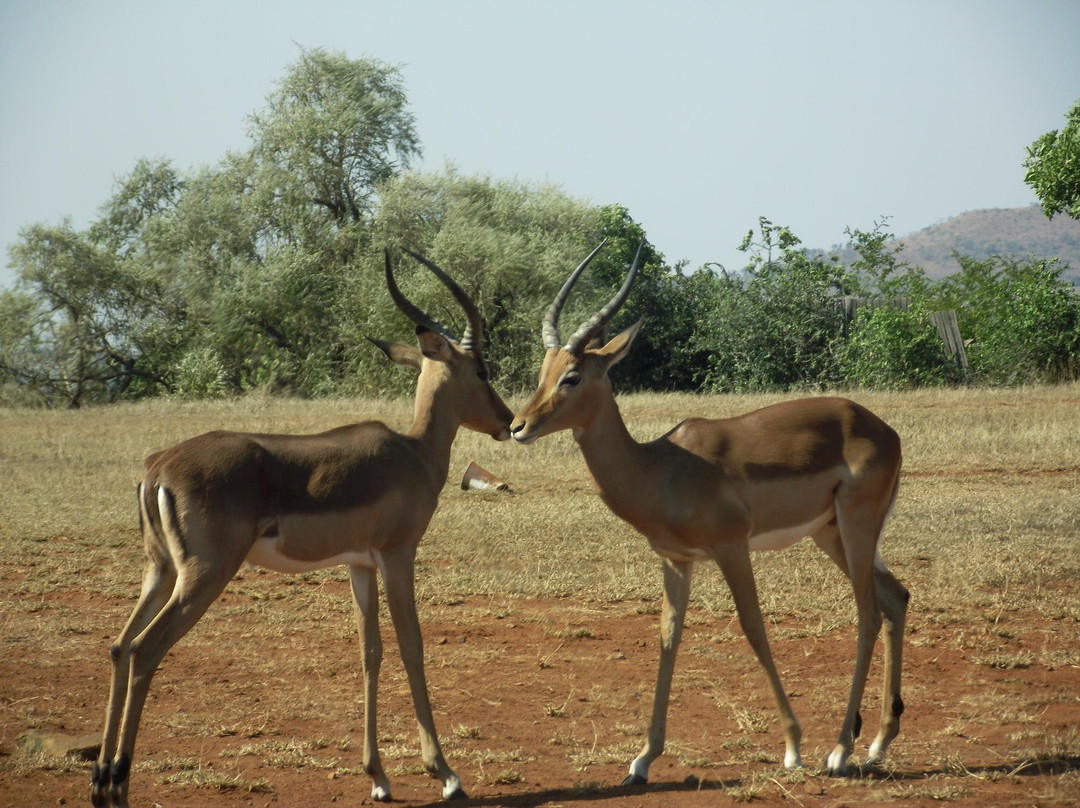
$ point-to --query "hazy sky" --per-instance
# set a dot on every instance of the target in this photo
(697, 116)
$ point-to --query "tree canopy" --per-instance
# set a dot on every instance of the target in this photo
(1053, 168)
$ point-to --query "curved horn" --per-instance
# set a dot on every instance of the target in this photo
(550, 326)
(594, 324)
(473, 337)
(409, 309)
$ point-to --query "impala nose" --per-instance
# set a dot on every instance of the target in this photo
(517, 430)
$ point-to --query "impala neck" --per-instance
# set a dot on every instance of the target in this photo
(434, 427)
(610, 451)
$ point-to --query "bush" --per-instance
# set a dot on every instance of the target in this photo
(1023, 320)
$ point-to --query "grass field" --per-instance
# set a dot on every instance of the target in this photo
(540, 611)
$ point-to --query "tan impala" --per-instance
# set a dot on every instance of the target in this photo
(717, 489)
(359, 495)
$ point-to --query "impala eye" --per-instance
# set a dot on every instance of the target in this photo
(570, 378)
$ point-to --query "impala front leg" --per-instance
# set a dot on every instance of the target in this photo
(398, 570)
(734, 561)
(365, 590)
(677, 575)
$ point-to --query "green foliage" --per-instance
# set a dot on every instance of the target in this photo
(776, 326)
(891, 343)
(333, 130)
(1022, 319)
(1053, 168)
(891, 348)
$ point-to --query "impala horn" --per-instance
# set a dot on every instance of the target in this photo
(595, 324)
(550, 326)
(472, 339)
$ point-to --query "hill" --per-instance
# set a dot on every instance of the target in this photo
(1018, 232)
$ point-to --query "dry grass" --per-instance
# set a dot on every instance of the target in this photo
(988, 514)
(986, 534)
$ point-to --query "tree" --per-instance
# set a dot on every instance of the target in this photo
(229, 278)
(1053, 168)
(332, 131)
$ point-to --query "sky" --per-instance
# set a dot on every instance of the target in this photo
(698, 117)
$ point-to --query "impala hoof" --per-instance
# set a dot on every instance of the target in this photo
(457, 794)
(836, 765)
(634, 780)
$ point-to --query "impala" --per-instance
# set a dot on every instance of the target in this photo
(360, 495)
(717, 489)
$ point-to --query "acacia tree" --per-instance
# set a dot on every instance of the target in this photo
(1053, 168)
(88, 306)
(228, 278)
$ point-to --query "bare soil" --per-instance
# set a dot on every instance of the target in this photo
(544, 703)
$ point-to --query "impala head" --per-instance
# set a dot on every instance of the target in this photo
(450, 369)
(573, 374)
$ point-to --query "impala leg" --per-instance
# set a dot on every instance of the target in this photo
(858, 534)
(366, 598)
(398, 571)
(734, 561)
(893, 599)
(157, 586)
(677, 578)
(191, 597)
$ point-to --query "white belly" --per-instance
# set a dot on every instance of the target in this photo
(267, 553)
(787, 536)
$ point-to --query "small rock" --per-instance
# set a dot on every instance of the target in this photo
(58, 744)
(813, 788)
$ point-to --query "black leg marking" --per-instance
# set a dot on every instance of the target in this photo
(858, 726)
(99, 775)
(120, 769)
(897, 705)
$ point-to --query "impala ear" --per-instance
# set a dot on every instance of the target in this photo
(619, 346)
(434, 346)
(398, 353)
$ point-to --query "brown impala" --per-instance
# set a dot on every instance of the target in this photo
(360, 495)
(717, 489)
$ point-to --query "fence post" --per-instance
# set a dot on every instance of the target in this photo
(948, 329)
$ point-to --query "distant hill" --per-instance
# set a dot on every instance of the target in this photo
(1018, 232)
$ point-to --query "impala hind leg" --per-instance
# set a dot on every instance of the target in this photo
(854, 551)
(677, 575)
(159, 578)
(188, 602)
(734, 561)
(366, 598)
(893, 599)
(398, 569)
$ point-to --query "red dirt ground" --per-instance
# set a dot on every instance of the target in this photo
(543, 701)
